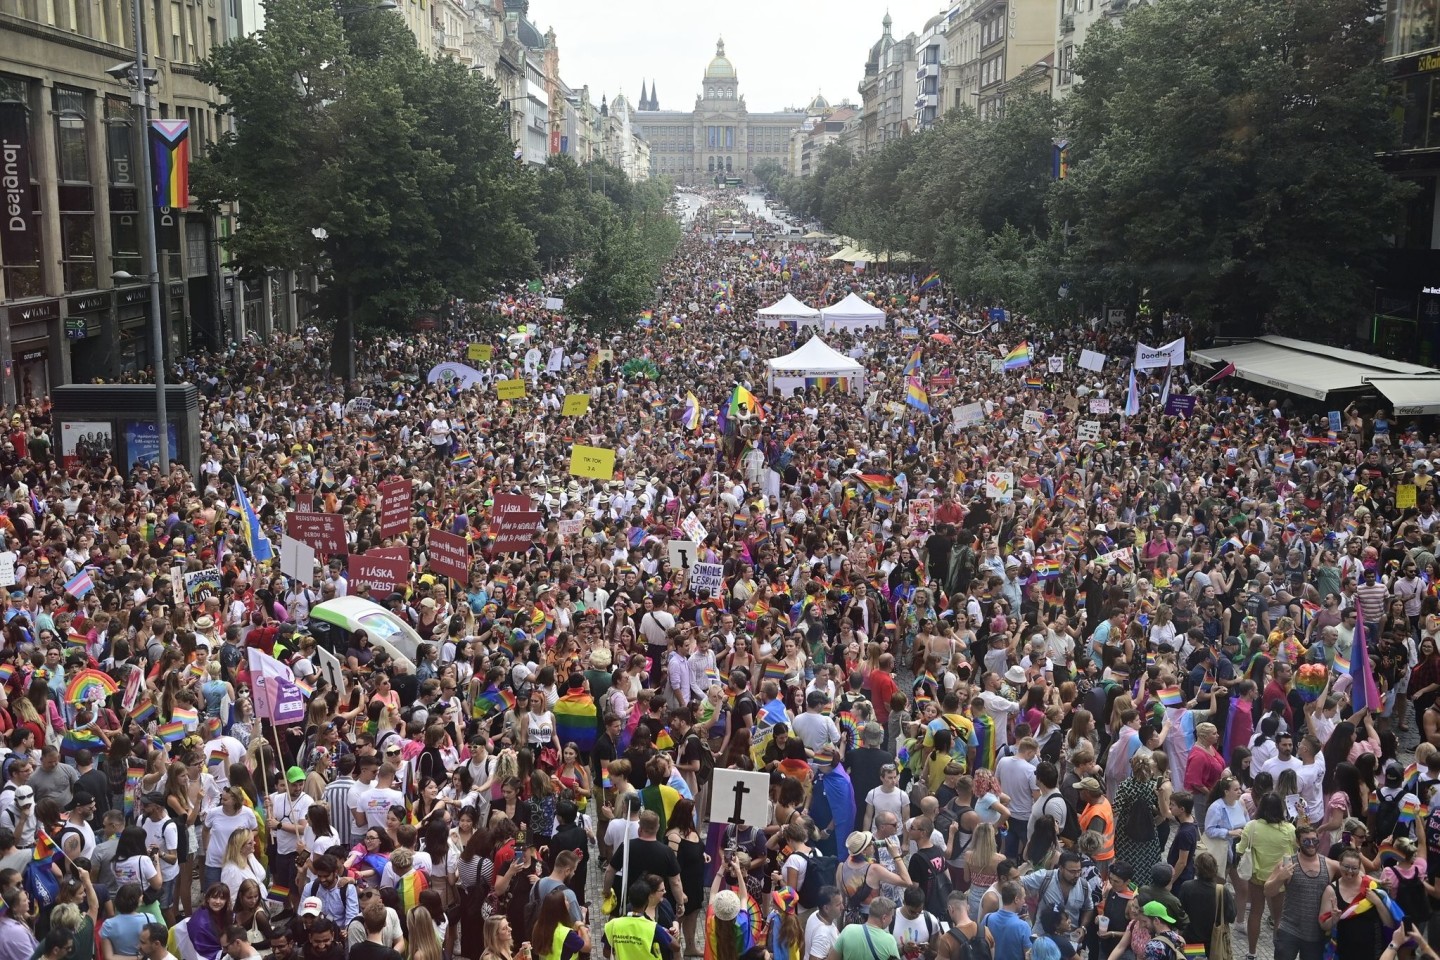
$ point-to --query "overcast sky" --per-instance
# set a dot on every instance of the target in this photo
(783, 50)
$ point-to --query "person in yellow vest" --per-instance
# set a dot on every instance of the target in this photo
(635, 936)
(556, 935)
(1097, 815)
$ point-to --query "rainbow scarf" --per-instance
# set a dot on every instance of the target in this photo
(575, 720)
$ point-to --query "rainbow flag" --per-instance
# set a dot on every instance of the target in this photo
(1172, 697)
(1387, 854)
(879, 482)
(7, 670)
(83, 739)
(744, 400)
(45, 848)
(308, 689)
(1047, 569)
(172, 732)
(1019, 357)
(661, 799)
(822, 384)
(1193, 951)
(775, 671)
(912, 366)
(491, 700)
(410, 887)
(916, 396)
(575, 720)
(277, 892)
(849, 729)
(144, 711)
(170, 155)
(663, 739)
(462, 459)
(930, 282)
(1035, 383)
(1409, 810)
(134, 770)
(185, 714)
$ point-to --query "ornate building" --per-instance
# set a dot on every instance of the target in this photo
(721, 138)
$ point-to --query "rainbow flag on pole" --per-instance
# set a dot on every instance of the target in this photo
(1020, 356)
(916, 396)
(930, 282)
(170, 152)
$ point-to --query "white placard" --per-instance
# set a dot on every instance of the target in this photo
(1057, 364)
(739, 796)
(177, 582)
(570, 529)
(297, 560)
(329, 665)
(1100, 405)
(997, 366)
(707, 576)
(682, 553)
(554, 303)
(693, 528)
(1090, 360)
(968, 414)
(1089, 430)
(1171, 354)
(1033, 421)
(7, 569)
(556, 361)
(1000, 485)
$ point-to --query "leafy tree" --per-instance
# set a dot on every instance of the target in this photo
(617, 277)
(1223, 156)
(769, 174)
(344, 125)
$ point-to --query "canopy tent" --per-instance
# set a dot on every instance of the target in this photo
(1307, 369)
(788, 311)
(816, 364)
(847, 254)
(1414, 396)
(852, 313)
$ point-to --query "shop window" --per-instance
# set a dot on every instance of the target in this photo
(75, 193)
(121, 175)
(23, 277)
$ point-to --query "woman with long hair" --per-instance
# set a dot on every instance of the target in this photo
(210, 921)
(982, 859)
(251, 913)
(183, 805)
(499, 944)
(786, 937)
(1269, 840)
(553, 936)
(319, 835)
(434, 840)
(689, 848)
(1225, 821)
(368, 858)
(1042, 847)
(240, 863)
(1134, 846)
(422, 938)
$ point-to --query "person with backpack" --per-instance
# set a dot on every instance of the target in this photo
(1054, 804)
(915, 928)
(927, 867)
(1387, 822)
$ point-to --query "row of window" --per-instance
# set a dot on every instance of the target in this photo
(992, 70)
(181, 32)
(73, 113)
(1411, 26)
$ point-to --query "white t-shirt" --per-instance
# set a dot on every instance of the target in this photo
(221, 825)
(895, 801)
(164, 834)
(919, 930)
(797, 863)
(377, 803)
(819, 936)
(292, 812)
(137, 869)
(423, 864)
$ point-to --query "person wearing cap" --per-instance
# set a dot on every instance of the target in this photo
(1166, 941)
(285, 813)
(1096, 814)
(861, 875)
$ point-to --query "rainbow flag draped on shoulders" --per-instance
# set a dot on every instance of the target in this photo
(743, 400)
(985, 753)
(410, 887)
(744, 929)
(661, 799)
(575, 720)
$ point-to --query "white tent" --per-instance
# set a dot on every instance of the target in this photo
(852, 313)
(815, 364)
(788, 311)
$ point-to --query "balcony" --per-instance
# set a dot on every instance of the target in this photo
(927, 70)
(451, 42)
(927, 100)
(1067, 23)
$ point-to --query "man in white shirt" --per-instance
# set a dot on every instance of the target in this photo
(285, 811)
(998, 707)
(380, 798)
(1284, 758)
(822, 929)
(1311, 776)
(814, 728)
(162, 835)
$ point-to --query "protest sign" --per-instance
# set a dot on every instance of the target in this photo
(396, 500)
(449, 556)
(1088, 431)
(297, 560)
(381, 574)
(1100, 405)
(1180, 405)
(1000, 485)
(575, 404)
(1033, 421)
(682, 553)
(968, 415)
(509, 389)
(597, 463)
(323, 531)
(479, 352)
(1092, 361)
(707, 576)
(200, 584)
(1057, 364)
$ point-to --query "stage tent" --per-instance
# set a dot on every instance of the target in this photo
(815, 364)
(852, 313)
(788, 311)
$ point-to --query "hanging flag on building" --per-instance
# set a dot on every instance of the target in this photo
(170, 162)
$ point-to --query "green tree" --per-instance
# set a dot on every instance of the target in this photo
(616, 277)
(769, 174)
(403, 162)
(1223, 157)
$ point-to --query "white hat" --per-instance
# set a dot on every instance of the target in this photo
(726, 905)
(311, 907)
(1015, 674)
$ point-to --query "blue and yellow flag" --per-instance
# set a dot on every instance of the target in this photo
(251, 530)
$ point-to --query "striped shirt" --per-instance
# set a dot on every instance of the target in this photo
(1371, 599)
(337, 798)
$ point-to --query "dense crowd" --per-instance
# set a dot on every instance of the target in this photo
(1016, 693)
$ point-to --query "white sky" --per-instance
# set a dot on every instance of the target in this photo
(783, 50)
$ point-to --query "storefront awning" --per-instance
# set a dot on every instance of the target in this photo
(1306, 369)
(1410, 396)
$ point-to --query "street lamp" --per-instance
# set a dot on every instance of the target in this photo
(140, 101)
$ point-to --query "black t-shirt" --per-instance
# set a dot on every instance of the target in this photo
(646, 856)
(367, 950)
(925, 862)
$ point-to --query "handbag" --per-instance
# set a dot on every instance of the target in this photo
(1220, 932)
(1245, 866)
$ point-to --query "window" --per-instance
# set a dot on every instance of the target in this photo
(23, 277)
(1067, 65)
(124, 189)
(77, 197)
(1411, 25)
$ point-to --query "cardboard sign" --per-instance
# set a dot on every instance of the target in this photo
(507, 503)
(200, 584)
(968, 415)
(570, 529)
(1033, 421)
(449, 556)
(1088, 431)
(693, 528)
(554, 303)
(1092, 361)
(1100, 406)
(597, 463)
(509, 389)
(397, 499)
(7, 569)
(323, 531)
(329, 667)
(682, 553)
(480, 352)
(921, 513)
(1180, 405)
(382, 575)
(739, 797)
(1404, 495)
(297, 560)
(575, 405)
(1057, 364)
(1000, 485)
(707, 576)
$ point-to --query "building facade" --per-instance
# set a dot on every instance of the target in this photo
(73, 295)
(720, 139)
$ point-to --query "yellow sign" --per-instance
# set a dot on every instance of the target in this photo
(480, 351)
(598, 463)
(1404, 495)
(607, 356)
(509, 389)
(575, 404)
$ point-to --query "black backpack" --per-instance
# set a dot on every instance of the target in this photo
(1050, 749)
(1070, 829)
(1139, 822)
(1386, 821)
(819, 873)
(707, 759)
(938, 887)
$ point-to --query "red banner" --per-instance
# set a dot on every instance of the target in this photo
(383, 575)
(323, 531)
(449, 556)
(514, 532)
(396, 501)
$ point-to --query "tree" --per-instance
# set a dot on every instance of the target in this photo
(617, 277)
(1223, 157)
(403, 162)
(769, 174)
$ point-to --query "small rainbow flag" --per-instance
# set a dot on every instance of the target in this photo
(144, 711)
(663, 740)
(1035, 383)
(7, 670)
(775, 671)
(1342, 663)
(308, 689)
(494, 699)
(185, 714)
(605, 775)
(1047, 569)
(1409, 810)
(462, 459)
(45, 848)
(1019, 357)
(1193, 951)
(278, 892)
(1172, 697)
(172, 732)
(1387, 854)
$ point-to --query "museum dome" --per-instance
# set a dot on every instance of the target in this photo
(720, 68)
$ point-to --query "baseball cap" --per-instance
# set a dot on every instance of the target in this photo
(1089, 783)
(295, 775)
(157, 798)
(1158, 910)
(79, 799)
(311, 907)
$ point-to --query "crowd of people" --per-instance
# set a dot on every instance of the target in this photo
(1043, 683)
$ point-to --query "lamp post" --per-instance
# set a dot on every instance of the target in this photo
(140, 101)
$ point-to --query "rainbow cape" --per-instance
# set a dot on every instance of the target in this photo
(742, 929)
(985, 736)
(575, 720)
(661, 799)
(410, 887)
